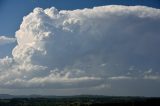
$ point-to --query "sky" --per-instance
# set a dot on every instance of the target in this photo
(98, 47)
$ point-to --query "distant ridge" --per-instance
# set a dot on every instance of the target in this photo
(77, 100)
(8, 96)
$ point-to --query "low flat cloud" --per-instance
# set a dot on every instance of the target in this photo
(82, 48)
(121, 78)
(6, 40)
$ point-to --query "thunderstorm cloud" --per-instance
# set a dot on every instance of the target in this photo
(83, 48)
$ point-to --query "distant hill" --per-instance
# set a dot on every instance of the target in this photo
(6, 96)
(77, 100)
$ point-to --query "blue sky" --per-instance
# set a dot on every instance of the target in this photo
(108, 50)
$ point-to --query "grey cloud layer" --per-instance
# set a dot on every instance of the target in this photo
(83, 48)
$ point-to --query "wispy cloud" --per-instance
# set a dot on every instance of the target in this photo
(6, 40)
(121, 78)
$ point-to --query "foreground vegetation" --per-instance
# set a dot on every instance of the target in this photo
(81, 101)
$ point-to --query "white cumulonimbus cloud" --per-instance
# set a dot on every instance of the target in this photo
(81, 48)
(6, 40)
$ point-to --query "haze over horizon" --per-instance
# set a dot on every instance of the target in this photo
(95, 47)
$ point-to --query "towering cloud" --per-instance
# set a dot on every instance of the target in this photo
(83, 48)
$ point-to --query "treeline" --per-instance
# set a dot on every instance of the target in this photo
(81, 101)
